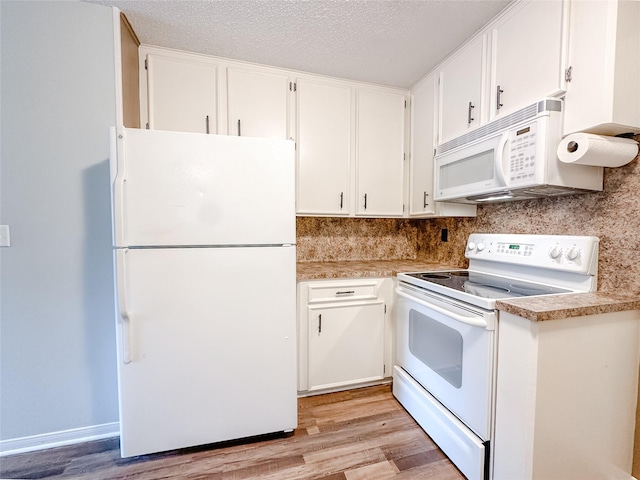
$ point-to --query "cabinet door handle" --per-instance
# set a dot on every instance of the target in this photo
(499, 93)
(346, 292)
(239, 130)
(206, 122)
(469, 117)
(320, 323)
(365, 201)
(341, 199)
(425, 200)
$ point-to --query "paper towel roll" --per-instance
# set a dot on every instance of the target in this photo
(597, 150)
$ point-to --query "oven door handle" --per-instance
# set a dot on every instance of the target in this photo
(475, 322)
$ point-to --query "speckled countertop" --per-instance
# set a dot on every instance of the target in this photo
(536, 309)
(555, 307)
(363, 269)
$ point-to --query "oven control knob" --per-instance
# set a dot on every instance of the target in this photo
(555, 252)
(471, 246)
(481, 246)
(573, 253)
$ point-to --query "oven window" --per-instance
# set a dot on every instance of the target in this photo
(437, 346)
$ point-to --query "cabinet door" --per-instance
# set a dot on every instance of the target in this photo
(379, 175)
(323, 147)
(461, 87)
(257, 104)
(527, 57)
(604, 95)
(423, 114)
(181, 94)
(346, 345)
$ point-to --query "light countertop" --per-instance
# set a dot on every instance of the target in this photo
(363, 269)
(536, 309)
(554, 307)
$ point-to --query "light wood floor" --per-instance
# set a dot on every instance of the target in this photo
(362, 434)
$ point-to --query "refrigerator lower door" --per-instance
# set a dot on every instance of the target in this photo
(206, 345)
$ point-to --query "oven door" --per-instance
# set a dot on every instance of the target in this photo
(448, 348)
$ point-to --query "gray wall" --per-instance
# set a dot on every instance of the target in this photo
(57, 357)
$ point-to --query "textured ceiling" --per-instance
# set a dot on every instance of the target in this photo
(389, 42)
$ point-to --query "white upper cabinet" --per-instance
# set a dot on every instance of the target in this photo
(324, 147)
(181, 94)
(424, 111)
(462, 86)
(380, 153)
(257, 104)
(423, 114)
(603, 95)
(527, 56)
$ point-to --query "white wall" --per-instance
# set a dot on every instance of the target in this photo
(57, 350)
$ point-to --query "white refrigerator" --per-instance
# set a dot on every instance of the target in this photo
(204, 253)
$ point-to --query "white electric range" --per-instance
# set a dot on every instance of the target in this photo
(447, 329)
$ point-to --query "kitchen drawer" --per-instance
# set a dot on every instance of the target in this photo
(343, 291)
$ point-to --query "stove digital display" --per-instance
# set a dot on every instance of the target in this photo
(514, 247)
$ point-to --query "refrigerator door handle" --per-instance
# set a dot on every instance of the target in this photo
(118, 186)
(123, 312)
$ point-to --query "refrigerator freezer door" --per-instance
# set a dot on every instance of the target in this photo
(210, 342)
(174, 188)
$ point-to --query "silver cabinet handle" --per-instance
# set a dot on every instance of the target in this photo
(206, 122)
(499, 93)
(239, 130)
(365, 201)
(469, 117)
(346, 292)
(341, 199)
(425, 200)
(320, 323)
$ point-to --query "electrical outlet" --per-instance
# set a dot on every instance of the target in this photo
(444, 235)
(5, 237)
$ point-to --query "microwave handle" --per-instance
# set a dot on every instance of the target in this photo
(501, 164)
(474, 322)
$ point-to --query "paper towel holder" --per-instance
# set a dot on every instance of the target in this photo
(572, 146)
(582, 148)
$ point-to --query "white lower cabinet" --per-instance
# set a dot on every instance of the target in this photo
(344, 333)
(566, 397)
(345, 344)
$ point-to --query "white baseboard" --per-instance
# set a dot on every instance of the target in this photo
(58, 439)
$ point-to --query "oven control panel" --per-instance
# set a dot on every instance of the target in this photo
(558, 252)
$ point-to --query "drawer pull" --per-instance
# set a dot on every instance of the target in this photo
(319, 324)
(346, 292)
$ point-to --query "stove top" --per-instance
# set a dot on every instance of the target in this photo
(485, 285)
(505, 266)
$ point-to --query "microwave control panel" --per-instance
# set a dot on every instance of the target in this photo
(522, 154)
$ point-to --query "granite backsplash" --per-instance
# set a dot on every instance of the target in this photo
(612, 215)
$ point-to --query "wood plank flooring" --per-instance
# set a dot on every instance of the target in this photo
(362, 434)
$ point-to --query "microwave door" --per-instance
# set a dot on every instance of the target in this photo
(472, 169)
(502, 160)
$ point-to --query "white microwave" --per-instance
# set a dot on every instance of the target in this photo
(513, 158)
